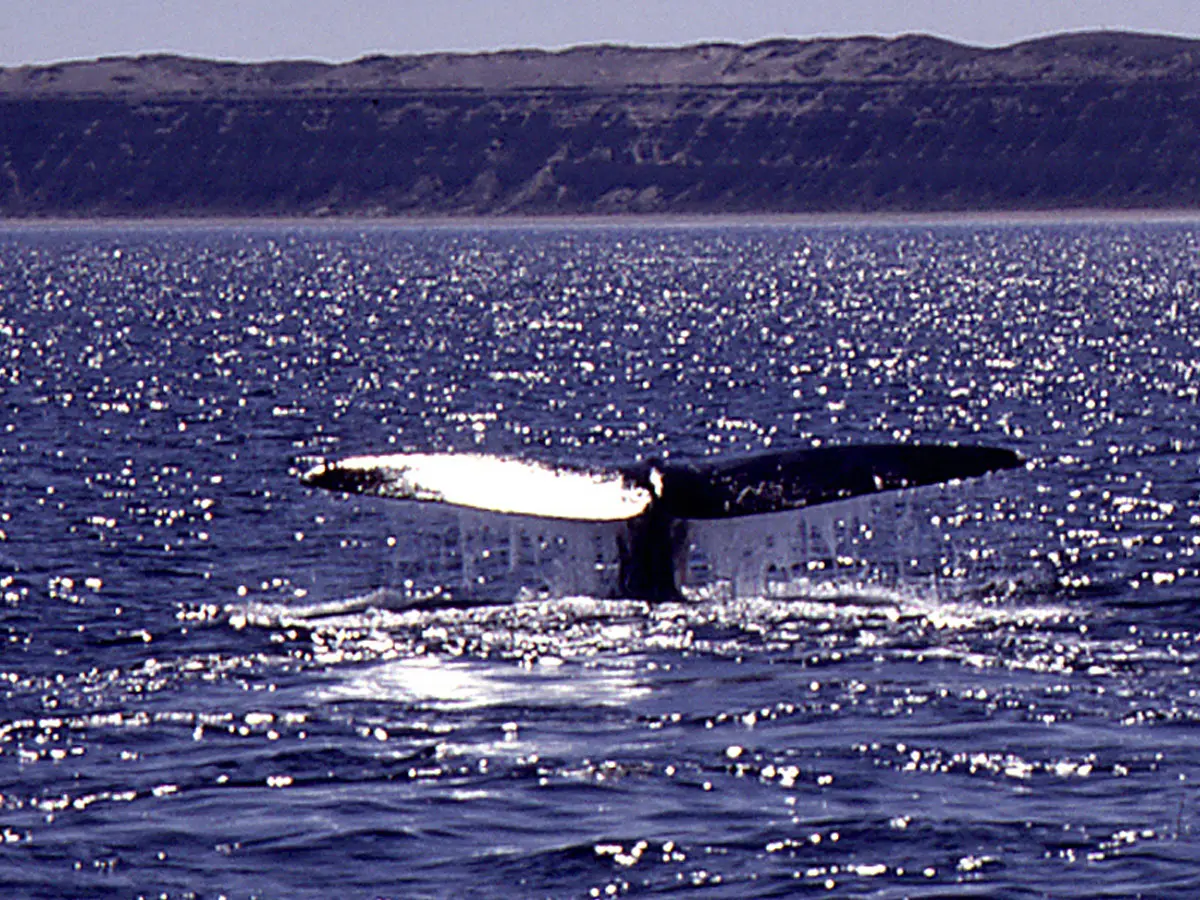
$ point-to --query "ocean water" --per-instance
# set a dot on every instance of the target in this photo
(219, 683)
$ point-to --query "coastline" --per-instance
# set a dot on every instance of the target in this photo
(904, 130)
(997, 218)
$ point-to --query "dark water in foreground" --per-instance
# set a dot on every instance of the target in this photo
(218, 683)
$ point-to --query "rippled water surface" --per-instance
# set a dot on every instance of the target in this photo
(217, 682)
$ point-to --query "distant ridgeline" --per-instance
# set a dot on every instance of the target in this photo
(1101, 120)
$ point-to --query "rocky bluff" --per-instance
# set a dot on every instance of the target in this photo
(1097, 120)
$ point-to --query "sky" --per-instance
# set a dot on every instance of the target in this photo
(39, 31)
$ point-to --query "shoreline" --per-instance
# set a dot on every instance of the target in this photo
(1001, 218)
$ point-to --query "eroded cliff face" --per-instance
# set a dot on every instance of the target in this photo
(1106, 121)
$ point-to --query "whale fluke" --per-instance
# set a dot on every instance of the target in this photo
(491, 483)
(656, 499)
(792, 479)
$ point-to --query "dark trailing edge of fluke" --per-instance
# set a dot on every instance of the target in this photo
(655, 499)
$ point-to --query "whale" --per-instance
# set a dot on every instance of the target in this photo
(654, 500)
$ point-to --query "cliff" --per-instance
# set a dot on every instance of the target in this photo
(914, 123)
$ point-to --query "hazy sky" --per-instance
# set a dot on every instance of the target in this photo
(50, 30)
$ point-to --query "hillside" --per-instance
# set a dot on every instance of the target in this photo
(865, 124)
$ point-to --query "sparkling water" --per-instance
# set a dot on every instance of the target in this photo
(218, 682)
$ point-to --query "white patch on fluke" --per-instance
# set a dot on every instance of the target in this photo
(498, 484)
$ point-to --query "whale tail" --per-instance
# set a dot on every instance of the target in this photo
(793, 479)
(657, 499)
